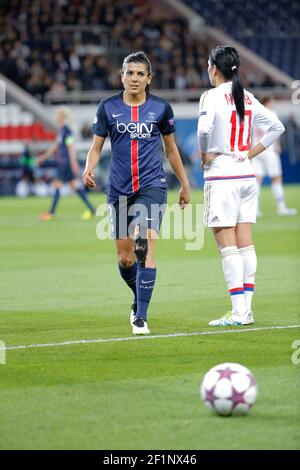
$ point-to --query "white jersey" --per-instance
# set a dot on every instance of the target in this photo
(220, 131)
(257, 134)
(267, 163)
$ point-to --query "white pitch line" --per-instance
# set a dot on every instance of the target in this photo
(134, 338)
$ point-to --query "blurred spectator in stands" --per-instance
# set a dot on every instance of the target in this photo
(180, 78)
(40, 56)
(267, 82)
(86, 131)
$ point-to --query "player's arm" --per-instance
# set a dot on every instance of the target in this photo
(172, 153)
(92, 160)
(44, 156)
(72, 156)
(277, 146)
(205, 128)
(265, 118)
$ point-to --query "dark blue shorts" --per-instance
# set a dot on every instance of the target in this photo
(145, 209)
(65, 173)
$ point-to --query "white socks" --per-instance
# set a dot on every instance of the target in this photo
(249, 260)
(278, 193)
(234, 276)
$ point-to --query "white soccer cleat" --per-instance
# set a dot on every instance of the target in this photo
(249, 318)
(140, 327)
(287, 211)
(229, 320)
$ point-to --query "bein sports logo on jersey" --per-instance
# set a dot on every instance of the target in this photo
(137, 130)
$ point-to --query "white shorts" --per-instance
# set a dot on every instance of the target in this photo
(267, 164)
(230, 202)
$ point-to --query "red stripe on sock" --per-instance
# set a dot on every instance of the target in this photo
(236, 289)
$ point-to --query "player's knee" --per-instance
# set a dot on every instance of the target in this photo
(141, 249)
(125, 260)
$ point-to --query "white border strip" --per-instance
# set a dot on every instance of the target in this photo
(134, 338)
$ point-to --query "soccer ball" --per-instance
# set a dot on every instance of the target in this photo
(229, 389)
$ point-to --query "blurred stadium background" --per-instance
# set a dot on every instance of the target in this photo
(55, 52)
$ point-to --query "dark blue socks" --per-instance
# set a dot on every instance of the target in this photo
(144, 285)
(81, 193)
(55, 200)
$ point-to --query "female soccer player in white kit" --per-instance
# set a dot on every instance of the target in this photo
(268, 164)
(226, 116)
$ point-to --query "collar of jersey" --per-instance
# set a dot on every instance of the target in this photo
(131, 105)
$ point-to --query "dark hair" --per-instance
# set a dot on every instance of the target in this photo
(138, 57)
(227, 61)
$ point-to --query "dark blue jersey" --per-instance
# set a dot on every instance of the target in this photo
(135, 134)
(64, 138)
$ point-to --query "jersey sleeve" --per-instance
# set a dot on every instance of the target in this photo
(68, 137)
(264, 118)
(100, 126)
(167, 123)
(206, 120)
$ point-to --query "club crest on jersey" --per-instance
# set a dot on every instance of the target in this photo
(150, 117)
(137, 130)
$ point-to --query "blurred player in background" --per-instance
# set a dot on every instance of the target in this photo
(25, 186)
(268, 164)
(135, 121)
(226, 116)
(68, 168)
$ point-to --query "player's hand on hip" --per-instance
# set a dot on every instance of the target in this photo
(88, 178)
(184, 196)
(207, 160)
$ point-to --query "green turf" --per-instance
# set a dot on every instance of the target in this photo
(59, 283)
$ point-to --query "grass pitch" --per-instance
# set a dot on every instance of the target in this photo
(60, 283)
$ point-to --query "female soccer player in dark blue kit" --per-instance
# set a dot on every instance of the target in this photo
(135, 121)
(67, 165)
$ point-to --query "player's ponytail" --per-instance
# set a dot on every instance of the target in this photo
(238, 93)
(227, 61)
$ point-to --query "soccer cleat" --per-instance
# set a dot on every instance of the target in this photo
(287, 211)
(226, 320)
(46, 216)
(132, 314)
(140, 327)
(249, 318)
(87, 215)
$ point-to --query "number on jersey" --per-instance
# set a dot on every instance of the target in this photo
(245, 126)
